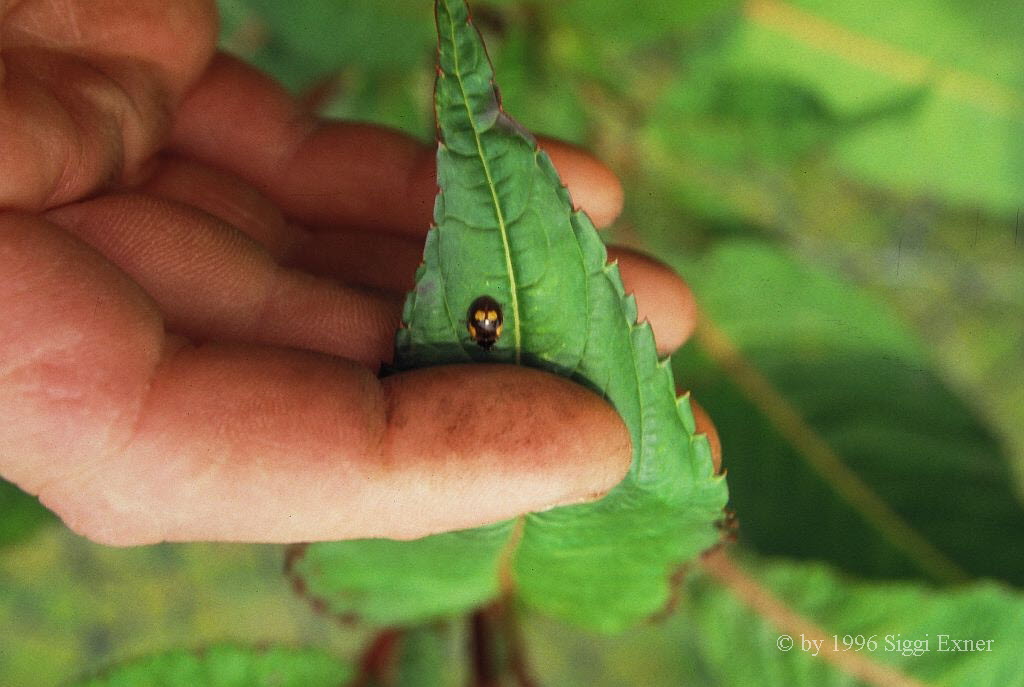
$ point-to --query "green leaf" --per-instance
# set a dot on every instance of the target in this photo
(864, 390)
(386, 583)
(432, 656)
(311, 38)
(229, 666)
(69, 607)
(958, 138)
(720, 640)
(640, 23)
(890, 612)
(435, 654)
(20, 514)
(505, 227)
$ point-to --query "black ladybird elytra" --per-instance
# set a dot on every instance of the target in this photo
(483, 320)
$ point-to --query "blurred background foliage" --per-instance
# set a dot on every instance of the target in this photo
(841, 183)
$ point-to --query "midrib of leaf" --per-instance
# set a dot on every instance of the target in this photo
(503, 229)
(816, 452)
(499, 215)
(506, 570)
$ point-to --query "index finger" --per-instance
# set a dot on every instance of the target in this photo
(134, 436)
(335, 174)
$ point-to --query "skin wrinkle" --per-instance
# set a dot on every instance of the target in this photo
(70, 16)
(15, 27)
(265, 301)
(40, 28)
(122, 422)
(394, 421)
(13, 365)
(289, 135)
(296, 238)
(95, 452)
(301, 129)
(26, 87)
(325, 296)
(144, 80)
(170, 347)
(82, 105)
(380, 415)
(82, 474)
(225, 196)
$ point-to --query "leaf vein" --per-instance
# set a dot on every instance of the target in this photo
(499, 214)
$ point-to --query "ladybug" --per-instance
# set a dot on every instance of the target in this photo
(483, 320)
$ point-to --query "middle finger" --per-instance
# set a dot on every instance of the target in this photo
(386, 261)
(212, 281)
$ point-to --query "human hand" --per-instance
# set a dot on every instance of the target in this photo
(200, 281)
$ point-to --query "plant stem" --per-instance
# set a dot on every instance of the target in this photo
(377, 665)
(497, 650)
